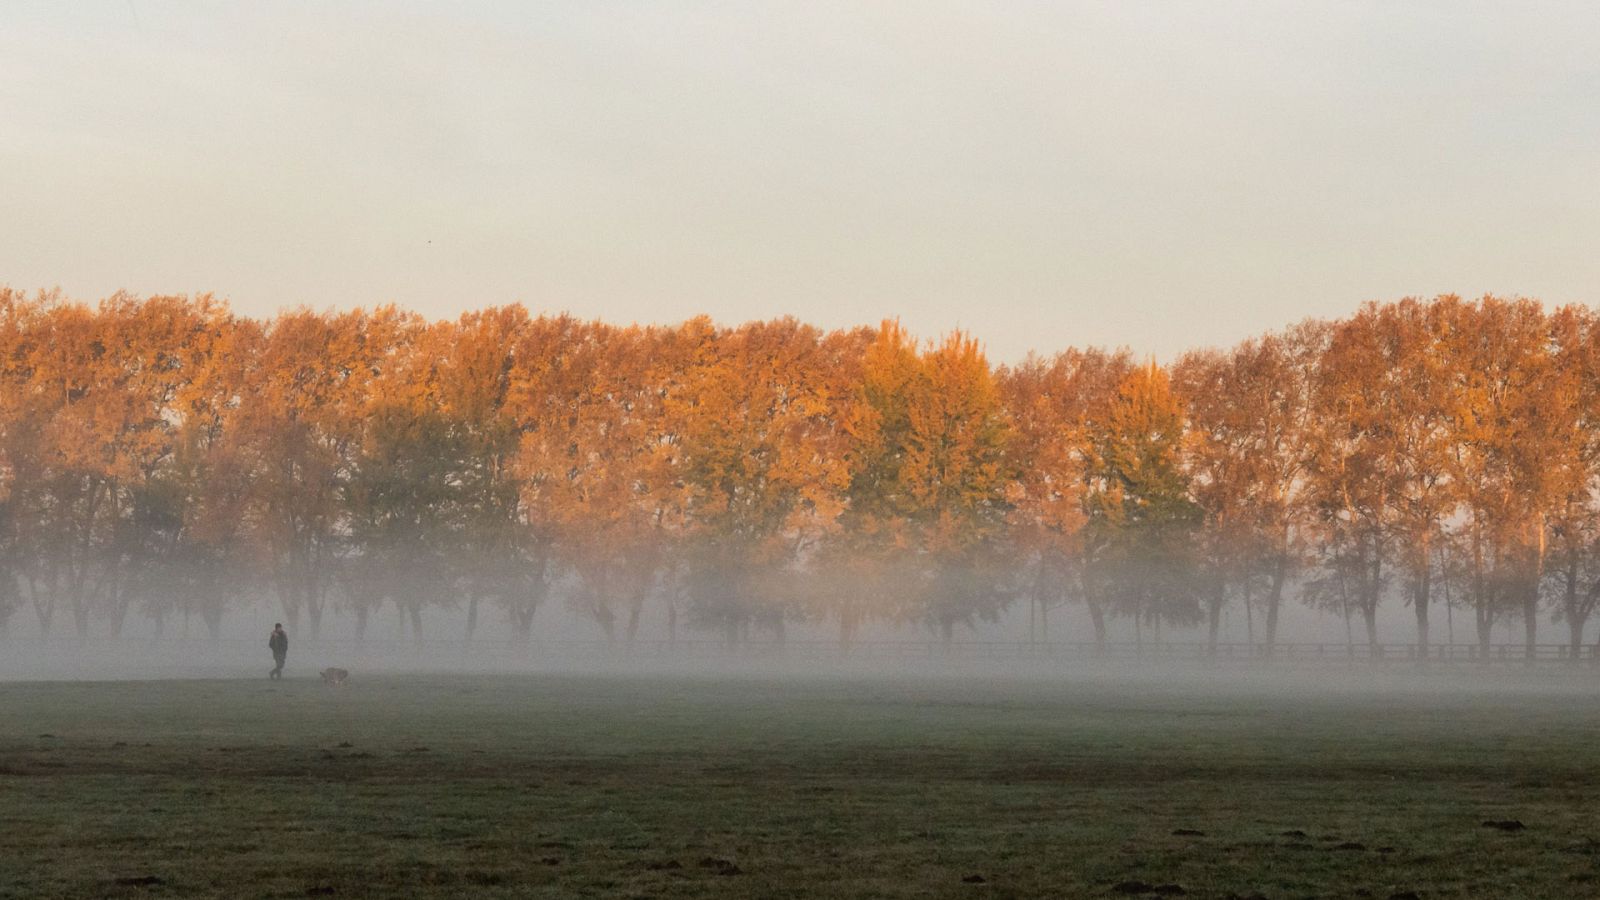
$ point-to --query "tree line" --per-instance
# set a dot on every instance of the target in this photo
(166, 457)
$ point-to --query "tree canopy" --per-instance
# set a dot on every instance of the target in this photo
(165, 456)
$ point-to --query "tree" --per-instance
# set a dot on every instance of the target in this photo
(1047, 401)
(502, 555)
(958, 477)
(1414, 384)
(1351, 477)
(871, 554)
(1501, 438)
(1571, 411)
(1139, 504)
(1249, 411)
(590, 460)
(759, 464)
(24, 412)
(402, 490)
(191, 543)
(1394, 397)
(303, 421)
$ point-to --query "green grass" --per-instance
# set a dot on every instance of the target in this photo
(461, 786)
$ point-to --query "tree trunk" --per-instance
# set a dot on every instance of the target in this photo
(1420, 601)
(415, 610)
(212, 616)
(1098, 616)
(1344, 606)
(44, 605)
(1485, 622)
(80, 616)
(1249, 615)
(1214, 616)
(1280, 575)
(1530, 619)
(1575, 618)
(1449, 607)
(472, 615)
(119, 613)
(1480, 594)
(634, 610)
(316, 603)
(1530, 598)
(288, 602)
(1369, 609)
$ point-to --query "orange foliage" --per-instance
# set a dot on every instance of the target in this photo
(155, 454)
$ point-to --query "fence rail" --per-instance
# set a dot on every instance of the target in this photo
(511, 650)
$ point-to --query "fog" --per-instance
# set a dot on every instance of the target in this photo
(1315, 649)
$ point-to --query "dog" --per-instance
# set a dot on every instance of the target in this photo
(334, 676)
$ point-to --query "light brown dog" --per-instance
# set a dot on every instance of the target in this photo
(334, 676)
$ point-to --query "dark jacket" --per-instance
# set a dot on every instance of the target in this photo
(279, 642)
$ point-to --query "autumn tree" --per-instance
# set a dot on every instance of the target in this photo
(1055, 406)
(1249, 410)
(759, 463)
(1139, 507)
(1387, 374)
(402, 491)
(1044, 400)
(590, 460)
(1225, 465)
(24, 411)
(109, 375)
(872, 554)
(192, 545)
(302, 420)
(1572, 413)
(503, 554)
(1350, 479)
(929, 485)
(1414, 402)
(1509, 472)
(958, 479)
(64, 362)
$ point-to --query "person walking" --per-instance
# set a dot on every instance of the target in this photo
(279, 644)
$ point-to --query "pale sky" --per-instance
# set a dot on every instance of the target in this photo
(1156, 175)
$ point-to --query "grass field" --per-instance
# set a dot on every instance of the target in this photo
(674, 786)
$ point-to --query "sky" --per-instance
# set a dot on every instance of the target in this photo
(1161, 176)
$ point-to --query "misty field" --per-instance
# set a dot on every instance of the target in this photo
(675, 786)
